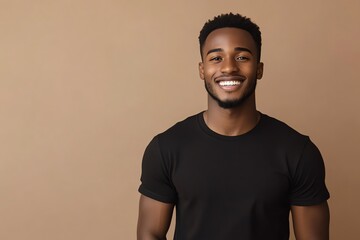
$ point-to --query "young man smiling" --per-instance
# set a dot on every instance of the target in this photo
(231, 171)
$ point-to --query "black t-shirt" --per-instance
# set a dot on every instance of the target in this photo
(233, 187)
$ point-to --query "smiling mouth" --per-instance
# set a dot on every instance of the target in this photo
(229, 83)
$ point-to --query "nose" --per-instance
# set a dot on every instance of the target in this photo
(229, 66)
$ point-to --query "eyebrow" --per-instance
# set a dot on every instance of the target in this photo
(240, 49)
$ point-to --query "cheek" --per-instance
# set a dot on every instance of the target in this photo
(250, 69)
(210, 71)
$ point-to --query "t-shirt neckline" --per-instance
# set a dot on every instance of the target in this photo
(204, 127)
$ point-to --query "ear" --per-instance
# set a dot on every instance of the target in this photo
(201, 70)
(260, 70)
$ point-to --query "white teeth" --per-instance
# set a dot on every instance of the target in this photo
(229, 83)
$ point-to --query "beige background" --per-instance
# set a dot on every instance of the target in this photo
(85, 85)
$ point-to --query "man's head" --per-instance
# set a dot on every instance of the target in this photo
(230, 51)
(233, 21)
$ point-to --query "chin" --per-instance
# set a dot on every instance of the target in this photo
(230, 104)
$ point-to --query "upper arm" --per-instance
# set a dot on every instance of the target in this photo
(154, 219)
(311, 222)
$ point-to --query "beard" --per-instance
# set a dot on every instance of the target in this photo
(228, 104)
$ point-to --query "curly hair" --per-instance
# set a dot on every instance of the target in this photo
(234, 21)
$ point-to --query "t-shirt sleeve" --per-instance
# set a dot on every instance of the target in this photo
(155, 177)
(308, 180)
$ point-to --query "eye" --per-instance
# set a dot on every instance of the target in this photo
(216, 59)
(241, 58)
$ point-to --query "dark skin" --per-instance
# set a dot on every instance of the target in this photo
(154, 219)
(311, 222)
(230, 54)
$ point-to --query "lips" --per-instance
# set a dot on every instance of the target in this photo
(230, 83)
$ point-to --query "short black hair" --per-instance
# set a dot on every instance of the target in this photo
(231, 20)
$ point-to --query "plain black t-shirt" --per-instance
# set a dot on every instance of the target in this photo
(233, 187)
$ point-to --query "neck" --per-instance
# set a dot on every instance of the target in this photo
(234, 121)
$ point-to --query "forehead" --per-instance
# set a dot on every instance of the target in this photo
(229, 38)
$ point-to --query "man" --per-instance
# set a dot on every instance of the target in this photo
(231, 171)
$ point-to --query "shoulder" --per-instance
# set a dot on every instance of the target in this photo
(296, 147)
(277, 125)
(181, 128)
(283, 138)
(279, 129)
(179, 133)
